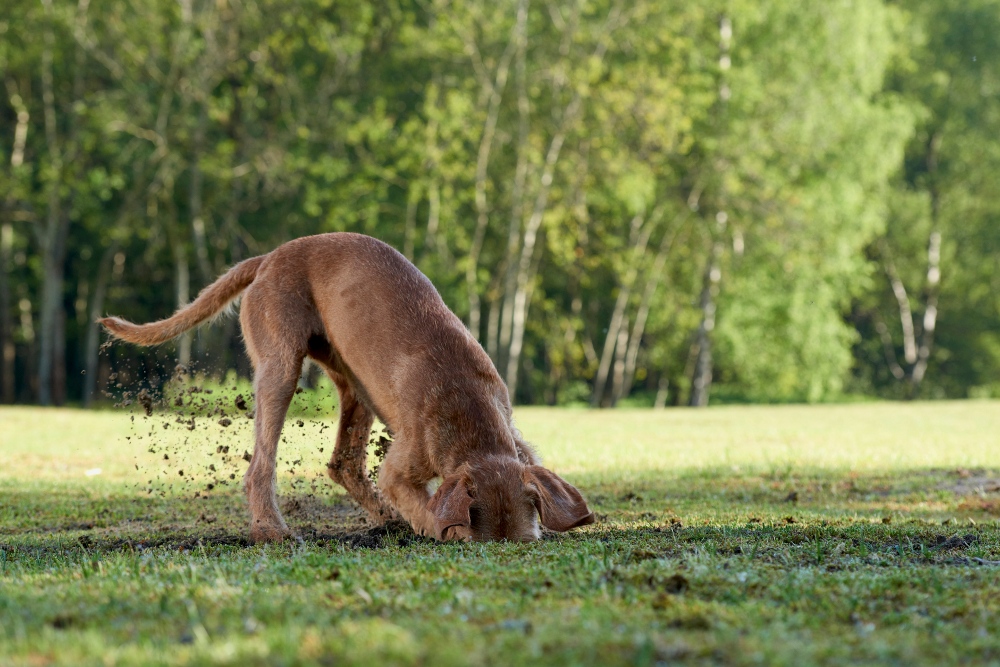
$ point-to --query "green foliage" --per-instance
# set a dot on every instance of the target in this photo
(557, 170)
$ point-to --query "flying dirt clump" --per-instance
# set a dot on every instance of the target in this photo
(208, 457)
(147, 402)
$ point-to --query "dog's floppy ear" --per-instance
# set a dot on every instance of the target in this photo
(559, 504)
(450, 504)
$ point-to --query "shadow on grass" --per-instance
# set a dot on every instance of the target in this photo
(74, 518)
(795, 516)
(928, 493)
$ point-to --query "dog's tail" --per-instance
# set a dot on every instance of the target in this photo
(210, 301)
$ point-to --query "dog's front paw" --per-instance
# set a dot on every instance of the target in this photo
(261, 532)
(424, 527)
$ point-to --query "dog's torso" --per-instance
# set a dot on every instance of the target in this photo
(381, 323)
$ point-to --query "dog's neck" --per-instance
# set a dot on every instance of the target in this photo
(474, 427)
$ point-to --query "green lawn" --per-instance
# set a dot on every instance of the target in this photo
(741, 535)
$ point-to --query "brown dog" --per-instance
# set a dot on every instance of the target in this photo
(386, 339)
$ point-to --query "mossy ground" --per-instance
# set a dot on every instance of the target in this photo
(744, 535)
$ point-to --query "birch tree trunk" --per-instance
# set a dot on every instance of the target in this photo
(930, 310)
(524, 276)
(701, 382)
(662, 390)
(492, 328)
(618, 374)
(482, 163)
(933, 277)
(637, 242)
(917, 333)
(917, 340)
(519, 312)
(653, 282)
(506, 314)
(8, 351)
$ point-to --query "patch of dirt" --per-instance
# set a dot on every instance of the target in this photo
(987, 505)
(976, 561)
(310, 509)
(207, 465)
(186, 538)
(392, 533)
(971, 482)
(956, 541)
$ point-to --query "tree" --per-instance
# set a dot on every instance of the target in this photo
(937, 254)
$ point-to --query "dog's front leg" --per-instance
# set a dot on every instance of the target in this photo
(407, 495)
(275, 385)
(349, 464)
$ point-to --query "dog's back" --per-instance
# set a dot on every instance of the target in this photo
(405, 351)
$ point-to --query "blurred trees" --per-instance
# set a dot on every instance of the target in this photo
(744, 200)
(931, 322)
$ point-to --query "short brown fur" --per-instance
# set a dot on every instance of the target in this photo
(394, 350)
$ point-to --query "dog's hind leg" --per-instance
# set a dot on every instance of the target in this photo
(277, 361)
(348, 465)
(274, 384)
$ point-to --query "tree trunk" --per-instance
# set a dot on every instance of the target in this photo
(92, 345)
(506, 314)
(933, 279)
(524, 275)
(31, 354)
(642, 315)
(194, 201)
(183, 278)
(482, 163)
(917, 345)
(930, 309)
(519, 312)
(618, 376)
(53, 236)
(8, 351)
(431, 240)
(637, 246)
(59, 358)
(410, 224)
(902, 304)
(7, 369)
(52, 373)
(701, 382)
(662, 389)
(517, 338)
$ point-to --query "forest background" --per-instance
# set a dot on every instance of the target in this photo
(639, 201)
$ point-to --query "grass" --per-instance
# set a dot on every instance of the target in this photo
(741, 535)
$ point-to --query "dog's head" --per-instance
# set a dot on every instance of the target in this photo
(503, 499)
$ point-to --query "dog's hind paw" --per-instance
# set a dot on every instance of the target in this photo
(260, 532)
